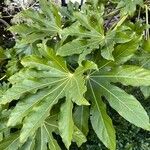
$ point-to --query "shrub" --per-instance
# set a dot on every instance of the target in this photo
(69, 62)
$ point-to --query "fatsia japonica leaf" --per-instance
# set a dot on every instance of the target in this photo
(78, 137)
(70, 65)
(127, 75)
(128, 7)
(24, 106)
(44, 137)
(33, 121)
(89, 36)
(38, 25)
(89, 33)
(29, 144)
(54, 67)
(66, 123)
(126, 105)
(46, 81)
(101, 122)
(10, 143)
(81, 118)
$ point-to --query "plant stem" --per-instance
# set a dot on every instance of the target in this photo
(147, 30)
(139, 13)
(112, 13)
(120, 22)
(4, 22)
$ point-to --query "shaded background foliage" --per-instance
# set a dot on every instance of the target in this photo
(128, 136)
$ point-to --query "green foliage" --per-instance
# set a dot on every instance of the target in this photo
(129, 7)
(64, 72)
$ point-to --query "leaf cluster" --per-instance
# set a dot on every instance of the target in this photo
(66, 68)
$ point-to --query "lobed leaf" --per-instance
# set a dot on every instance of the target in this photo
(101, 122)
(126, 105)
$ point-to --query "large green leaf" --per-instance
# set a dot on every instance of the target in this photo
(33, 121)
(25, 106)
(40, 87)
(128, 7)
(125, 51)
(88, 32)
(127, 75)
(101, 122)
(38, 25)
(126, 105)
(55, 68)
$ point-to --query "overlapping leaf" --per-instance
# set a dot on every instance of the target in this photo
(81, 118)
(128, 7)
(40, 87)
(101, 122)
(126, 105)
(38, 26)
(45, 85)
